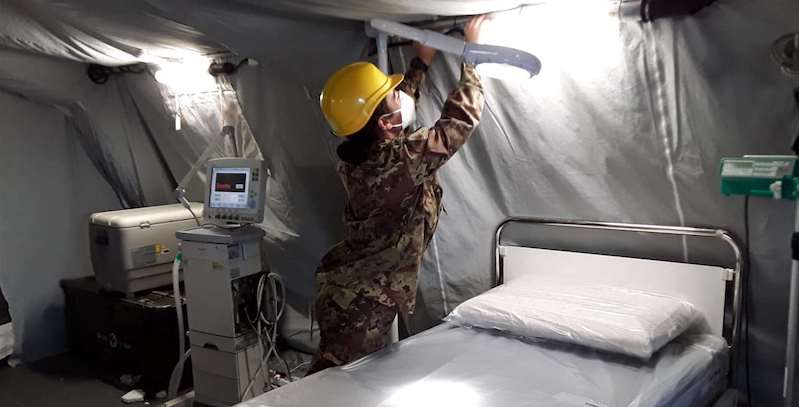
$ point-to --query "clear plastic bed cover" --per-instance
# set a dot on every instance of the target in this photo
(450, 366)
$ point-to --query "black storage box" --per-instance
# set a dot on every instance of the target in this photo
(132, 337)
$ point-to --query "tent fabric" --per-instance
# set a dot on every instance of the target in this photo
(202, 116)
(626, 122)
(397, 10)
(654, 9)
(102, 32)
(124, 32)
(50, 189)
(115, 140)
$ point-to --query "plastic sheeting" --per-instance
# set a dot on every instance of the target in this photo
(200, 117)
(460, 367)
(6, 340)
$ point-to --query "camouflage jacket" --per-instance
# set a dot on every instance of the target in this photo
(393, 201)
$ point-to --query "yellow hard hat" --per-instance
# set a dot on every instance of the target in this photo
(352, 94)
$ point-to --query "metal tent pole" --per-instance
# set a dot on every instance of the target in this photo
(793, 317)
(382, 63)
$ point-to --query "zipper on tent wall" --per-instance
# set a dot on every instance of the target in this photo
(662, 125)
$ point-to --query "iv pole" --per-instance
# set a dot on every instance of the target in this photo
(785, 53)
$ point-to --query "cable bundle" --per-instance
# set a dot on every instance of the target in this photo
(270, 307)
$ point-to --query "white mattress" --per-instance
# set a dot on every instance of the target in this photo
(6, 340)
(454, 366)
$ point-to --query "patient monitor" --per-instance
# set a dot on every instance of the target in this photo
(224, 279)
(236, 191)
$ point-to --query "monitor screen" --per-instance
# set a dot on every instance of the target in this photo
(229, 187)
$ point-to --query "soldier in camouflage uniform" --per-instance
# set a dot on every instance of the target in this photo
(392, 206)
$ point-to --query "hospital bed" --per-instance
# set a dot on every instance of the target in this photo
(452, 365)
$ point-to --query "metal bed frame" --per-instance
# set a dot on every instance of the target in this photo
(731, 330)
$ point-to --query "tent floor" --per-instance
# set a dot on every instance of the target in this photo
(64, 380)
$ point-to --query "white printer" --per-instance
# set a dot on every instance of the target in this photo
(133, 249)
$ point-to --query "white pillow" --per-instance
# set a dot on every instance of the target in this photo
(630, 322)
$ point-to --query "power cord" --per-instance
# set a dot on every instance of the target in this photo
(278, 307)
(265, 326)
(229, 68)
(177, 373)
(100, 74)
(747, 300)
(194, 215)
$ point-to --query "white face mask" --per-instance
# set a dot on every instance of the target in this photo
(407, 111)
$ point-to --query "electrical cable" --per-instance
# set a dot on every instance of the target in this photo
(300, 366)
(746, 298)
(268, 284)
(194, 215)
(279, 308)
(177, 372)
(228, 68)
(280, 305)
(264, 358)
(100, 74)
(257, 331)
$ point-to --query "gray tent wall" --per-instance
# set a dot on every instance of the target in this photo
(75, 139)
(49, 189)
(634, 135)
(104, 117)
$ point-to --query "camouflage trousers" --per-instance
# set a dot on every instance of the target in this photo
(349, 333)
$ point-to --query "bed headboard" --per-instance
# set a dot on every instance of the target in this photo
(713, 286)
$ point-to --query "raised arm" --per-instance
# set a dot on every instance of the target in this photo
(414, 76)
(429, 149)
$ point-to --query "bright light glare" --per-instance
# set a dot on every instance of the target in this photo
(190, 75)
(502, 71)
(580, 37)
(433, 393)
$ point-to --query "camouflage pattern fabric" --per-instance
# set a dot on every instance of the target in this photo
(392, 209)
(350, 333)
